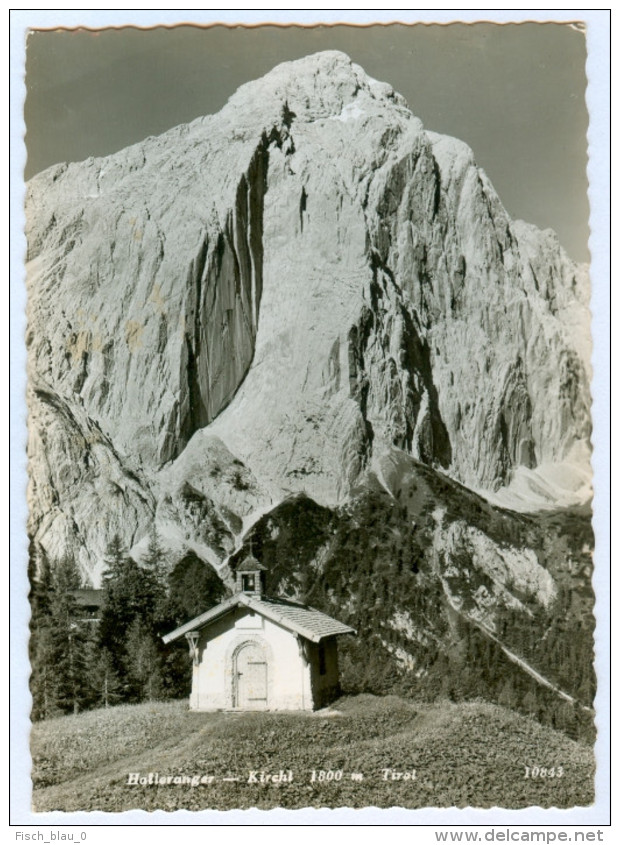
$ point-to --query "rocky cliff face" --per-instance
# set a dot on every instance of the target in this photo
(270, 300)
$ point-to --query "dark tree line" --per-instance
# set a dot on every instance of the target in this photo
(78, 664)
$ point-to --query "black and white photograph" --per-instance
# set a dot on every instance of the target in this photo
(309, 417)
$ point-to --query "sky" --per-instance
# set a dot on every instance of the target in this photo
(515, 93)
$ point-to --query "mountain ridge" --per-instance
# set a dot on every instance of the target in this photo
(309, 279)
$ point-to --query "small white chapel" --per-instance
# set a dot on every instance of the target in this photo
(254, 652)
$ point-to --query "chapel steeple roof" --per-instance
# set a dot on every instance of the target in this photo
(250, 564)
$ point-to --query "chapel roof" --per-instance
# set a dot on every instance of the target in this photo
(294, 616)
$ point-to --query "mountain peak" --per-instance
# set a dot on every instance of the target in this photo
(317, 86)
(272, 298)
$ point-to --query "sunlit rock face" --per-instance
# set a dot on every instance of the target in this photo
(298, 284)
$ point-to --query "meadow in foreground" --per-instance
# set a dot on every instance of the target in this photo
(468, 754)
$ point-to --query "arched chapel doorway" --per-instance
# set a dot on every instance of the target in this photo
(250, 676)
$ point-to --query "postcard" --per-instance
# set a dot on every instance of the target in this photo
(309, 393)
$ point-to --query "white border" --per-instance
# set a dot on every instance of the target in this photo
(598, 39)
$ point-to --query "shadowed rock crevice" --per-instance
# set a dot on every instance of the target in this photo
(391, 373)
(226, 284)
(437, 447)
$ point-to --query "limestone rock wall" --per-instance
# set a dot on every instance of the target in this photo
(310, 278)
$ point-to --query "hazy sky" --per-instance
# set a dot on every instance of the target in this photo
(515, 93)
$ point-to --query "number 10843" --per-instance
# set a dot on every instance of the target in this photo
(543, 772)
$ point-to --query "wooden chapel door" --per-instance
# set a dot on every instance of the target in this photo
(251, 677)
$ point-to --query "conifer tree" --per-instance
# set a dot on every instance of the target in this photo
(194, 588)
(40, 578)
(68, 637)
(105, 683)
(42, 682)
(115, 556)
(57, 646)
(134, 616)
(124, 599)
(176, 671)
(155, 584)
(43, 675)
(143, 662)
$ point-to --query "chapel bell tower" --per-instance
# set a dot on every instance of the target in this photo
(251, 577)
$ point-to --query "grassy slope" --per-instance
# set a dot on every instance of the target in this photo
(468, 754)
